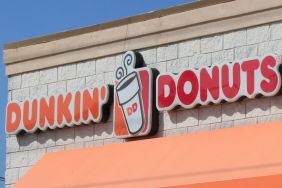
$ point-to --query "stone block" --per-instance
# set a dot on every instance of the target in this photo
(95, 80)
(168, 52)
(276, 29)
(48, 76)
(167, 120)
(211, 44)
(30, 79)
(149, 55)
(246, 52)
(84, 133)
(161, 67)
(199, 128)
(38, 91)
(224, 56)
(75, 84)
(46, 139)
(222, 125)
(20, 94)
(198, 61)
(28, 141)
(73, 146)
(187, 118)
(57, 88)
(64, 136)
(19, 159)
(106, 64)
(103, 131)
(112, 141)
(276, 105)
(109, 78)
(14, 82)
(258, 107)
(233, 111)
(235, 39)
(55, 149)
(23, 171)
(89, 144)
(258, 34)
(244, 122)
(12, 144)
(210, 114)
(270, 118)
(189, 48)
(119, 60)
(273, 47)
(173, 132)
(35, 155)
(9, 96)
(8, 162)
(86, 68)
(177, 65)
(11, 175)
(67, 72)
(98, 143)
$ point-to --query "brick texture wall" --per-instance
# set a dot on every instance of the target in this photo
(25, 150)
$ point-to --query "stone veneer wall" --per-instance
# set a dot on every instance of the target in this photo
(25, 150)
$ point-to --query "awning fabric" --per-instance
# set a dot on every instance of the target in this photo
(222, 158)
(256, 182)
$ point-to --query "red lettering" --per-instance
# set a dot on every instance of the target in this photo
(269, 85)
(29, 122)
(72, 108)
(187, 97)
(231, 91)
(91, 103)
(63, 108)
(47, 111)
(166, 91)
(249, 67)
(77, 104)
(209, 83)
(13, 117)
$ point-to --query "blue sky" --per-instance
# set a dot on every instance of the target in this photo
(21, 20)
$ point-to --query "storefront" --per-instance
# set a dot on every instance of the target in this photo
(188, 96)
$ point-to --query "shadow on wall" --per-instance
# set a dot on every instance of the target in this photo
(176, 119)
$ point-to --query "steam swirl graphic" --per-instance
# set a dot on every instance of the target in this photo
(119, 73)
(129, 61)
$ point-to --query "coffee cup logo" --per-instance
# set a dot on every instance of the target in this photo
(133, 97)
(129, 96)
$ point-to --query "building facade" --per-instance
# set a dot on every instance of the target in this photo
(204, 33)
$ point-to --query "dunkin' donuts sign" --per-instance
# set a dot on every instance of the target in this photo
(139, 93)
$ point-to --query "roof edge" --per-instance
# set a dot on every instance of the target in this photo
(115, 23)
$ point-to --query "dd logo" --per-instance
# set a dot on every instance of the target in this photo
(131, 109)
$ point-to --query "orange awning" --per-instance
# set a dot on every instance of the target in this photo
(256, 182)
(210, 159)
